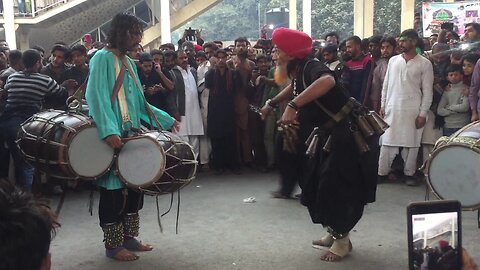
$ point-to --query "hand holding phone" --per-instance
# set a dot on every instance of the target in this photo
(434, 235)
(447, 26)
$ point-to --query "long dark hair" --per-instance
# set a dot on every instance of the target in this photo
(295, 64)
(120, 25)
(27, 226)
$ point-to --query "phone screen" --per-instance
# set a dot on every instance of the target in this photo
(447, 26)
(435, 241)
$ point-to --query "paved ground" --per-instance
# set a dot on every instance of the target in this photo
(218, 231)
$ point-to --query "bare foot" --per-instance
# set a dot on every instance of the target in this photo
(133, 244)
(144, 247)
(392, 176)
(320, 243)
(330, 257)
(125, 256)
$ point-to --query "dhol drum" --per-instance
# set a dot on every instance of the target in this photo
(65, 145)
(156, 162)
(453, 169)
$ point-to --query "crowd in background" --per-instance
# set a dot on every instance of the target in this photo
(216, 93)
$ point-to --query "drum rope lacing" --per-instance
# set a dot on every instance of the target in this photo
(46, 136)
(48, 133)
(459, 138)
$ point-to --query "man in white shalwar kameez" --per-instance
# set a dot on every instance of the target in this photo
(191, 124)
(406, 98)
(205, 145)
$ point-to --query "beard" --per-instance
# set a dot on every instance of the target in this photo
(281, 74)
(346, 57)
(242, 53)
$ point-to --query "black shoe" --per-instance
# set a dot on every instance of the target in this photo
(411, 181)
(279, 195)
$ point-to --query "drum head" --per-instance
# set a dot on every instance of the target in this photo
(141, 162)
(454, 174)
(89, 156)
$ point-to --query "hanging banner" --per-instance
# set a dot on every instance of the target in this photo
(458, 13)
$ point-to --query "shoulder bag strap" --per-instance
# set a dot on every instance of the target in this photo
(151, 115)
(80, 92)
(118, 82)
(119, 91)
(132, 74)
(323, 108)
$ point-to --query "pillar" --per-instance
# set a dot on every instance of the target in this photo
(165, 21)
(9, 24)
(307, 17)
(408, 14)
(363, 18)
(292, 15)
(23, 38)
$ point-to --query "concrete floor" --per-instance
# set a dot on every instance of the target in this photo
(219, 231)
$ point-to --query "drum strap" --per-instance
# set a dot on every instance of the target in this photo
(149, 111)
(80, 93)
(119, 91)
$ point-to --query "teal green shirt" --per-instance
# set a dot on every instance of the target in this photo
(106, 114)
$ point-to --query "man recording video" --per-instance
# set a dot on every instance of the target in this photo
(191, 35)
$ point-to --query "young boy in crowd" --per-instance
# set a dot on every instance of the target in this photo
(79, 70)
(454, 106)
(468, 64)
(456, 57)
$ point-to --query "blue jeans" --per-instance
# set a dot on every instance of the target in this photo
(21, 6)
(8, 134)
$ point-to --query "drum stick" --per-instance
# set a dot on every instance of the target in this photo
(124, 140)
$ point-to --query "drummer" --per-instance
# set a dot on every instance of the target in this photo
(116, 112)
(26, 90)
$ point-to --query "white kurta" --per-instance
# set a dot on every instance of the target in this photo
(205, 145)
(406, 94)
(204, 92)
(191, 123)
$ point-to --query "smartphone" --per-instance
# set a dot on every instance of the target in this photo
(434, 235)
(259, 51)
(447, 26)
(190, 34)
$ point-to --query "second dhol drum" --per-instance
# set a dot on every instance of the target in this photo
(453, 169)
(156, 162)
(65, 145)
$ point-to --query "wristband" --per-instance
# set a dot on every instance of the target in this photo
(293, 105)
(269, 103)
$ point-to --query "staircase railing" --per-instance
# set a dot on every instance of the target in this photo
(139, 9)
(32, 8)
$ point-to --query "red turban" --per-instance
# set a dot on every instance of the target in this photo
(198, 48)
(294, 43)
(443, 243)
